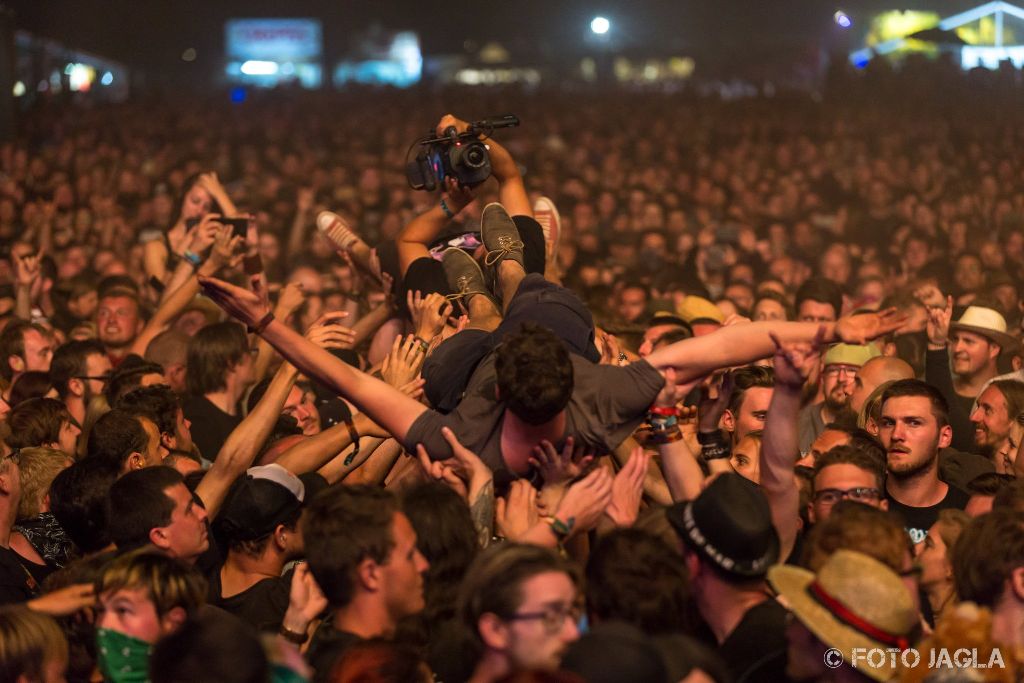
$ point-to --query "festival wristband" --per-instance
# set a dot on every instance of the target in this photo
(670, 411)
(424, 344)
(292, 636)
(560, 529)
(447, 212)
(195, 259)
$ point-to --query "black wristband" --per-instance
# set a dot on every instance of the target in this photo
(716, 451)
(710, 438)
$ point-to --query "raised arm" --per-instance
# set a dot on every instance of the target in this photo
(385, 405)
(413, 241)
(745, 343)
(238, 452)
(780, 445)
(177, 300)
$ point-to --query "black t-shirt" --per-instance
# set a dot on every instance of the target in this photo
(326, 647)
(756, 649)
(16, 583)
(262, 605)
(211, 426)
(919, 520)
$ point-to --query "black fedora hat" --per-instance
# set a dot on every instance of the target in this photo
(730, 524)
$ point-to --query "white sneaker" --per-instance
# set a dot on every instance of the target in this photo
(336, 230)
(545, 213)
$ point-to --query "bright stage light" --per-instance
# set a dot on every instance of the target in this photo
(600, 25)
(842, 19)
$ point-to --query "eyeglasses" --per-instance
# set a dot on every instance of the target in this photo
(861, 494)
(837, 370)
(552, 618)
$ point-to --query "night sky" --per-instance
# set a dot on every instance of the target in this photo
(151, 34)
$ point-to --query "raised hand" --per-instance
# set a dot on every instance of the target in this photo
(517, 513)
(628, 489)
(714, 399)
(248, 306)
(205, 233)
(794, 362)
(556, 468)
(305, 600)
(27, 269)
(429, 313)
(457, 196)
(403, 364)
(288, 301)
(585, 501)
(863, 327)
(439, 470)
(329, 333)
(226, 246)
(939, 320)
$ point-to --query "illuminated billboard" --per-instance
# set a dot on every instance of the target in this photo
(270, 52)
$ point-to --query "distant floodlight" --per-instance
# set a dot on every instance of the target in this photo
(257, 67)
(19, 89)
(841, 19)
(107, 79)
(600, 25)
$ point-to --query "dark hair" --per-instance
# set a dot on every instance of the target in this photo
(848, 454)
(213, 351)
(36, 422)
(139, 504)
(772, 295)
(187, 186)
(114, 437)
(209, 648)
(1010, 497)
(128, 376)
(78, 499)
(535, 374)
(749, 377)
(634, 576)
(32, 384)
(159, 403)
(69, 361)
(987, 552)
(343, 526)
(916, 387)
(447, 539)
(494, 582)
(823, 291)
(859, 438)
(989, 483)
(12, 343)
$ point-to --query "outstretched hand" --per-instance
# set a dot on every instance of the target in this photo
(248, 306)
(863, 327)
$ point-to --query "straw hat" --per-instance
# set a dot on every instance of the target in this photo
(855, 601)
(696, 308)
(987, 322)
(851, 354)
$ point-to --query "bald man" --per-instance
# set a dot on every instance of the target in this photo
(874, 373)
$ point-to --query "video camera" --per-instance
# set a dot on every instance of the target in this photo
(462, 156)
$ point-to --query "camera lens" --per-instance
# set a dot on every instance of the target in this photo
(475, 156)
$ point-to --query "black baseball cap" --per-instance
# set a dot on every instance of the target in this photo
(258, 501)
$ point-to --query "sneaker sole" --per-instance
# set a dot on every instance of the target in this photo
(551, 225)
(326, 221)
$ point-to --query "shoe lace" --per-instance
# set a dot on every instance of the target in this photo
(506, 245)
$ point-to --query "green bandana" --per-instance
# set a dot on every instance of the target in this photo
(122, 659)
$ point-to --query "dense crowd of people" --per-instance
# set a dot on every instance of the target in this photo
(688, 390)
